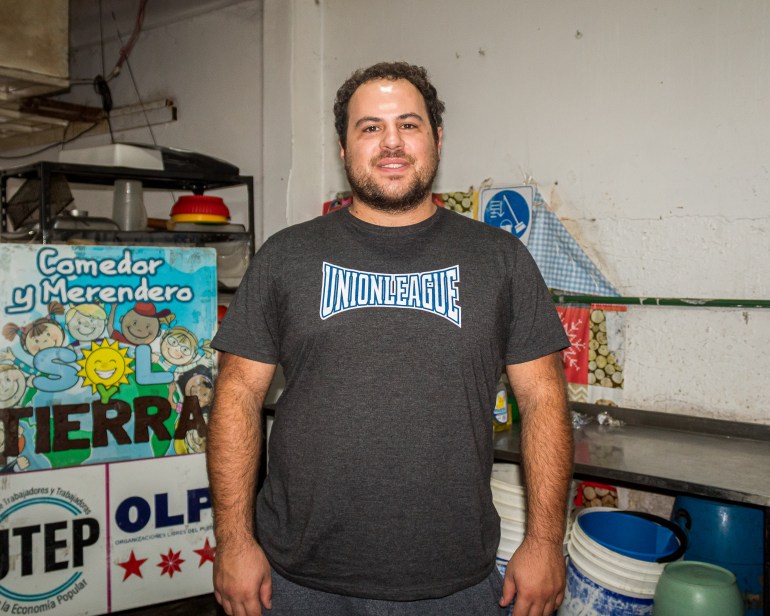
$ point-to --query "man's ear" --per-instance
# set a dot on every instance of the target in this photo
(342, 151)
(439, 143)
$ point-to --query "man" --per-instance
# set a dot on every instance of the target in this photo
(392, 320)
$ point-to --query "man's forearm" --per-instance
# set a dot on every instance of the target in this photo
(233, 447)
(547, 449)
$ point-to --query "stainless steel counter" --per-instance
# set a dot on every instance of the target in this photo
(671, 454)
(711, 458)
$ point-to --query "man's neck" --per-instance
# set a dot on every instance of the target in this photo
(420, 212)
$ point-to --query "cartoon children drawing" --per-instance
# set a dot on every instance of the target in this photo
(86, 323)
(13, 386)
(197, 382)
(140, 325)
(12, 464)
(180, 350)
(42, 333)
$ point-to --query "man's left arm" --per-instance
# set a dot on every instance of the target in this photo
(536, 572)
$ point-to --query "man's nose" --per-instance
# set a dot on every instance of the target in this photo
(391, 138)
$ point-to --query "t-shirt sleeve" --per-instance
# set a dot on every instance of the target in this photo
(535, 329)
(249, 328)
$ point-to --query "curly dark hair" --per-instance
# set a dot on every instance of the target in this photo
(416, 75)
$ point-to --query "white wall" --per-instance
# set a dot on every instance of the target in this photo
(651, 117)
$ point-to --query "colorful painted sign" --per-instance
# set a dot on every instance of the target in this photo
(105, 538)
(106, 353)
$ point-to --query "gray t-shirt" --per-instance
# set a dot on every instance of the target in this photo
(392, 340)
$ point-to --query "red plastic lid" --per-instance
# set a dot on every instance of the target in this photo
(200, 204)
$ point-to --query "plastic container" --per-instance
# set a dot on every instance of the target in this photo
(634, 534)
(509, 501)
(128, 209)
(613, 565)
(692, 588)
(507, 472)
(501, 414)
(205, 205)
(727, 535)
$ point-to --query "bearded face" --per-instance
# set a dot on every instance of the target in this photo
(391, 155)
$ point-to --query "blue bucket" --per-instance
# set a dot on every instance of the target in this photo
(731, 533)
(727, 535)
(635, 534)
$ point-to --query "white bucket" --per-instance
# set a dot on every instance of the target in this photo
(510, 512)
(510, 499)
(507, 472)
(508, 495)
(507, 546)
(624, 574)
(603, 582)
(506, 488)
(511, 528)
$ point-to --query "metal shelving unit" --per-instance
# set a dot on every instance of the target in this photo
(189, 181)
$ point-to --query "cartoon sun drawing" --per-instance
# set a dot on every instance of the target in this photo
(105, 368)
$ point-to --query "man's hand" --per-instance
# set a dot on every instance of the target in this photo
(536, 574)
(242, 580)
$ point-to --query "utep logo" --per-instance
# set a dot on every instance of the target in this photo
(436, 292)
(41, 563)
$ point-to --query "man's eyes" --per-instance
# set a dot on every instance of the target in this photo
(375, 128)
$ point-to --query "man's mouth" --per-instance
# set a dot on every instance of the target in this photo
(393, 163)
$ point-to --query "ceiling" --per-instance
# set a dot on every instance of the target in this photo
(84, 16)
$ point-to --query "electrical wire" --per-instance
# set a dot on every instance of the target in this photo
(129, 46)
(101, 86)
(101, 34)
(125, 50)
(53, 145)
(136, 87)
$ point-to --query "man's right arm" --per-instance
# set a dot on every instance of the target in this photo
(242, 582)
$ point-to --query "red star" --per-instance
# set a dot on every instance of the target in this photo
(132, 566)
(170, 563)
(206, 553)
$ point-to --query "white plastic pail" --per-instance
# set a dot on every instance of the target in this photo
(603, 581)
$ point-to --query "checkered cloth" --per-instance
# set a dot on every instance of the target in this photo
(561, 260)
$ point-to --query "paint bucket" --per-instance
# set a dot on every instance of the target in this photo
(507, 472)
(510, 502)
(508, 494)
(615, 561)
(727, 535)
(509, 499)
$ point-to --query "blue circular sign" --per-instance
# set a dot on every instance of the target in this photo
(508, 210)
